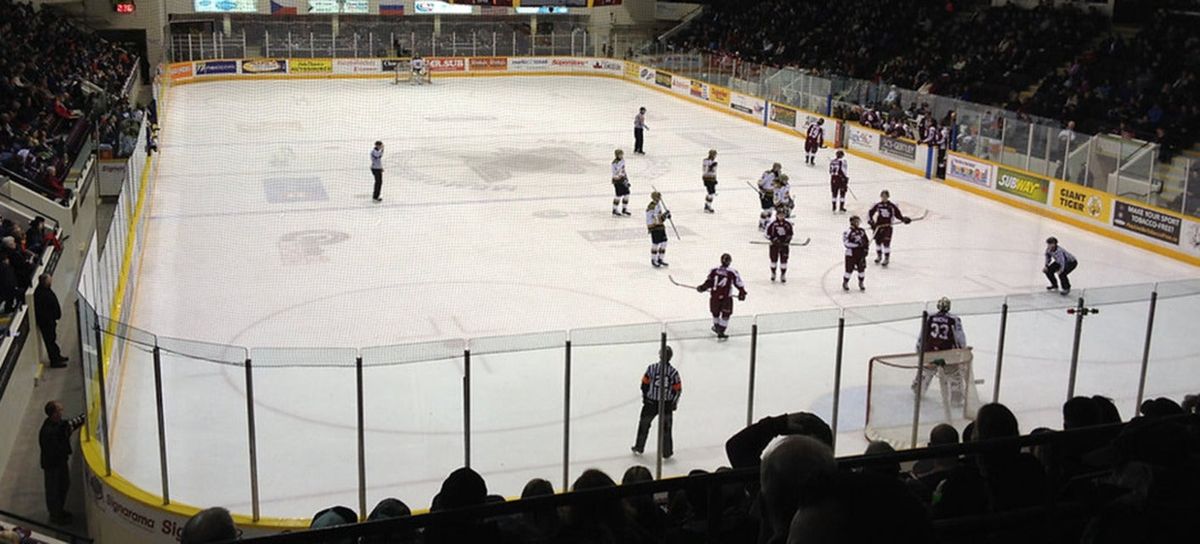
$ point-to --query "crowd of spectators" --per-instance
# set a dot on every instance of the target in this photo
(20, 255)
(55, 79)
(1142, 87)
(1134, 482)
(1047, 61)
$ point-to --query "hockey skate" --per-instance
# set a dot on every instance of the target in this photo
(625, 212)
(1065, 292)
(878, 258)
(1052, 288)
(861, 286)
(772, 278)
(783, 278)
(654, 263)
(845, 285)
(616, 213)
(635, 450)
(886, 260)
(662, 263)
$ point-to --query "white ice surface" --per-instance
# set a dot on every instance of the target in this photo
(496, 221)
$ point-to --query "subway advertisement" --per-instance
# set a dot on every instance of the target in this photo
(1034, 188)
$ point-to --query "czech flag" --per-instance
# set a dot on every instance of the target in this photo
(284, 7)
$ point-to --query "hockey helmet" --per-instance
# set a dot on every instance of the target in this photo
(840, 153)
(618, 153)
(782, 179)
(667, 353)
(655, 196)
(820, 120)
(712, 153)
(1052, 240)
(943, 304)
(776, 167)
(884, 194)
(854, 220)
(726, 259)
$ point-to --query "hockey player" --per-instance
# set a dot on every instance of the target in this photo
(782, 197)
(880, 219)
(766, 194)
(839, 181)
(1058, 261)
(780, 234)
(419, 71)
(721, 280)
(709, 175)
(943, 331)
(620, 183)
(656, 216)
(814, 138)
(857, 245)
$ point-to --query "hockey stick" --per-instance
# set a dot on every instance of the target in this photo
(767, 242)
(672, 221)
(752, 186)
(851, 191)
(672, 278)
(924, 214)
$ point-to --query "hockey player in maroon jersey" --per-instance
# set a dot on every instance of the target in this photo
(839, 181)
(880, 219)
(720, 282)
(943, 331)
(814, 138)
(780, 234)
(857, 245)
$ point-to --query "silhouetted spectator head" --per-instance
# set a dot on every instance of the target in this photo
(463, 487)
(943, 434)
(862, 509)
(995, 420)
(890, 469)
(636, 474)
(332, 517)
(807, 424)
(608, 513)
(968, 434)
(537, 487)
(1108, 410)
(1161, 406)
(1080, 412)
(390, 509)
(797, 471)
(209, 525)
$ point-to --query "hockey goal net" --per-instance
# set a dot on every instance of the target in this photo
(403, 72)
(948, 395)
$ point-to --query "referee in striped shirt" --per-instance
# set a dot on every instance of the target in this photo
(661, 388)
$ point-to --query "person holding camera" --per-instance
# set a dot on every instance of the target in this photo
(54, 439)
(660, 383)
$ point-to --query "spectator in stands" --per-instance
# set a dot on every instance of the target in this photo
(48, 312)
(600, 520)
(745, 449)
(797, 472)
(537, 526)
(930, 473)
(391, 508)
(11, 296)
(889, 469)
(1080, 412)
(646, 513)
(209, 525)
(862, 508)
(54, 439)
(463, 488)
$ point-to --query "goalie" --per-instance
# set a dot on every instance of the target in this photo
(944, 331)
(417, 72)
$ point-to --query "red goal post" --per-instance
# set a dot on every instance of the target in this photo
(949, 396)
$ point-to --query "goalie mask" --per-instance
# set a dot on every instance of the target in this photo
(943, 304)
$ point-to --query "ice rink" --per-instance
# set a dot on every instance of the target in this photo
(495, 222)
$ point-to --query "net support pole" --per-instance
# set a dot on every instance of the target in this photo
(920, 388)
(105, 433)
(753, 373)
(662, 403)
(837, 378)
(1000, 351)
(467, 408)
(1146, 349)
(362, 442)
(162, 432)
(1079, 312)
(253, 443)
(566, 470)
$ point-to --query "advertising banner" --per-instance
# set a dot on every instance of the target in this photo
(681, 85)
(969, 171)
(783, 115)
(311, 66)
(390, 65)
(719, 95)
(360, 66)
(1081, 200)
(860, 139)
(180, 72)
(900, 149)
(648, 75)
(699, 90)
(446, 64)
(216, 67)
(225, 6)
(568, 65)
(632, 70)
(264, 66)
(1147, 222)
(746, 104)
(1191, 240)
(663, 79)
(528, 64)
(488, 64)
(1034, 188)
(610, 66)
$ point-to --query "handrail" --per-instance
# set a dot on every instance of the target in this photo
(708, 482)
(14, 203)
(13, 177)
(74, 537)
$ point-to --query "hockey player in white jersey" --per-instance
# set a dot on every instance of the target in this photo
(839, 181)
(709, 176)
(620, 181)
(656, 217)
(420, 72)
(766, 194)
(783, 197)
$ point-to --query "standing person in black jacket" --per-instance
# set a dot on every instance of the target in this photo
(55, 442)
(10, 294)
(48, 312)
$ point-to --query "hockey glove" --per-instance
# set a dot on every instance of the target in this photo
(742, 295)
(907, 220)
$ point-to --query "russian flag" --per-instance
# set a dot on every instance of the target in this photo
(391, 9)
(284, 7)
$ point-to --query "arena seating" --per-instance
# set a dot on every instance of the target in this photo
(46, 109)
(1097, 480)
